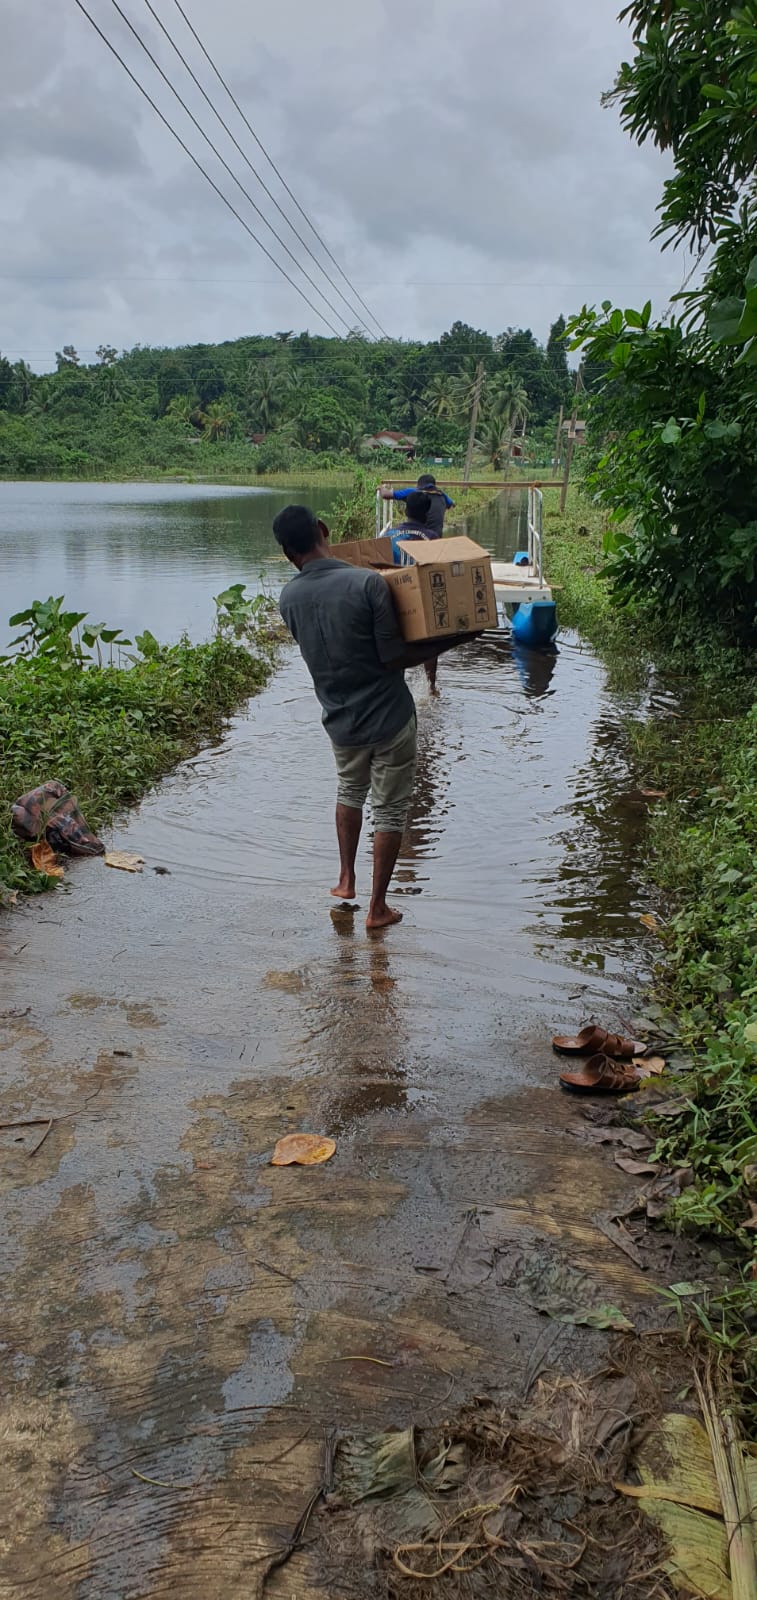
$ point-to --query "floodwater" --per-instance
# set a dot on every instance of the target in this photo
(182, 1323)
(137, 555)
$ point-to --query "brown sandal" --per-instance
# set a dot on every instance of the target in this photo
(593, 1039)
(601, 1076)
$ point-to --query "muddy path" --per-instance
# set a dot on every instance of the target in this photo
(181, 1322)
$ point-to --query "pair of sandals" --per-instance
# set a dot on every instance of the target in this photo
(50, 812)
(609, 1068)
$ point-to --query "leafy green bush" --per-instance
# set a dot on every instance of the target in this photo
(110, 732)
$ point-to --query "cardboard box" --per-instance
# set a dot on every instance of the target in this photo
(447, 588)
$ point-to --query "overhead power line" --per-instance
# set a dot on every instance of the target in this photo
(225, 165)
(253, 169)
(205, 174)
(279, 175)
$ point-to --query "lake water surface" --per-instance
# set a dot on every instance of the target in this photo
(138, 555)
(152, 555)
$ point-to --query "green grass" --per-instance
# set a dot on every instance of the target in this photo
(701, 859)
(110, 733)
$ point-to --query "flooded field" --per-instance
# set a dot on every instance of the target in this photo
(183, 1324)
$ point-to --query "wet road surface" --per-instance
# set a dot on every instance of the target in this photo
(182, 1322)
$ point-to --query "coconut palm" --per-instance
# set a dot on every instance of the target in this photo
(216, 420)
(508, 399)
(24, 383)
(265, 394)
(181, 409)
(463, 388)
(506, 407)
(494, 441)
(438, 398)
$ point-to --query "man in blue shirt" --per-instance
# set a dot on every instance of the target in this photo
(344, 622)
(440, 502)
(418, 526)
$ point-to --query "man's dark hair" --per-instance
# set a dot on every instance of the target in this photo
(418, 506)
(427, 481)
(296, 530)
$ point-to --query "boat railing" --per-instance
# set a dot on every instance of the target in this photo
(535, 523)
(535, 515)
(380, 504)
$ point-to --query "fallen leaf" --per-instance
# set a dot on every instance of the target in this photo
(637, 1169)
(124, 860)
(685, 1291)
(654, 794)
(632, 1138)
(606, 1317)
(751, 1221)
(45, 860)
(646, 1065)
(302, 1149)
(650, 921)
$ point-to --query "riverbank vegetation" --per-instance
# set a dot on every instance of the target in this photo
(75, 708)
(659, 562)
(282, 404)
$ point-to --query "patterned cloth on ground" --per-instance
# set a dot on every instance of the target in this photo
(51, 812)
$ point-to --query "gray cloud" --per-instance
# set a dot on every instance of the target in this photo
(455, 156)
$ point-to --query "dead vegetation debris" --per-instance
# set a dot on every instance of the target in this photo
(498, 1502)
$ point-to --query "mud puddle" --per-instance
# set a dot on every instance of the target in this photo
(183, 1323)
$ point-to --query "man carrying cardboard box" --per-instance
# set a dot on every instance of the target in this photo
(344, 622)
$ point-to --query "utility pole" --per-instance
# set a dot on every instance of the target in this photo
(558, 441)
(571, 439)
(477, 387)
(568, 459)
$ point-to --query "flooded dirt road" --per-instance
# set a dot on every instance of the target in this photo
(183, 1322)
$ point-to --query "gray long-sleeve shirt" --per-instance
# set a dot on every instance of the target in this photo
(344, 622)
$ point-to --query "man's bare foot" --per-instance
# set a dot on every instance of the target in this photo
(382, 917)
(345, 889)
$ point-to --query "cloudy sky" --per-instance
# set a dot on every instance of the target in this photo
(453, 154)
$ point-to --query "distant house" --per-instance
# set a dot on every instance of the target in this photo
(404, 443)
(575, 430)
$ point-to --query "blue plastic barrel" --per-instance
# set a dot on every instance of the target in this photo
(535, 623)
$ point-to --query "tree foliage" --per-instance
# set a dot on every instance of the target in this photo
(156, 409)
(673, 411)
(691, 88)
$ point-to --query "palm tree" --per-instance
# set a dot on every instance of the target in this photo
(508, 403)
(24, 379)
(463, 389)
(216, 420)
(438, 398)
(181, 409)
(509, 399)
(493, 441)
(265, 394)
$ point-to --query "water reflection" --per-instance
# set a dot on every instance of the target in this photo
(368, 1037)
(536, 669)
(139, 555)
(426, 820)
